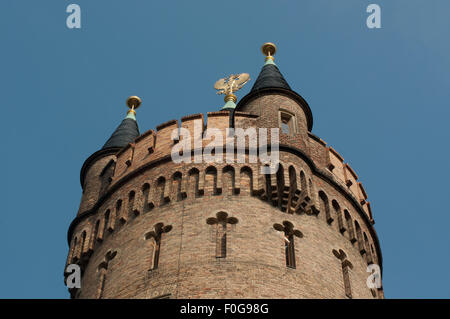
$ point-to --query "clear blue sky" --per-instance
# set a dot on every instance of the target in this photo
(379, 97)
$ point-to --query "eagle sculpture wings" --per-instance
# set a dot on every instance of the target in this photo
(232, 83)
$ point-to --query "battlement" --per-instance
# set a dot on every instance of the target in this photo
(347, 176)
(152, 146)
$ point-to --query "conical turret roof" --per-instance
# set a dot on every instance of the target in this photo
(125, 133)
(270, 77)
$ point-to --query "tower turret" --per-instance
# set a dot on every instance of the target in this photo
(97, 169)
(273, 100)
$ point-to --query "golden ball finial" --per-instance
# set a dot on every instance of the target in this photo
(269, 49)
(133, 102)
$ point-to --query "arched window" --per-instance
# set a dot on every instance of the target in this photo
(280, 186)
(246, 181)
(292, 177)
(349, 222)
(108, 225)
(325, 207)
(268, 187)
(177, 179)
(210, 181)
(228, 180)
(294, 193)
(131, 209)
(194, 179)
(337, 212)
(369, 258)
(161, 185)
(146, 203)
(119, 213)
(359, 238)
(303, 182)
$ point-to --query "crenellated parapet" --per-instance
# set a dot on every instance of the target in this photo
(154, 146)
(346, 176)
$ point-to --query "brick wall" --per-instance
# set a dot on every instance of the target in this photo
(146, 188)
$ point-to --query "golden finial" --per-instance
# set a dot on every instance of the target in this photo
(133, 102)
(269, 49)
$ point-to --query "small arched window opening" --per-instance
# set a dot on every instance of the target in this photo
(325, 206)
(147, 204)
(194, 183)
(177, 179)
(161, 184)
(132, 211)
(107, 223)
(119, 214)
(211, 181)
(349, 222)
(359, 238)
(338, 213)
(369, 258)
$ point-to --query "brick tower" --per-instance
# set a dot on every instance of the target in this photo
(148, 227)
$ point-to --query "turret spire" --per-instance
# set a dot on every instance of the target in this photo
(128, 130)
(270, 76)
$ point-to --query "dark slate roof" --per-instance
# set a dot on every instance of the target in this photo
(270, 77)
(125, 133)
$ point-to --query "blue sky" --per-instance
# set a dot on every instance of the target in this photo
(380, 97)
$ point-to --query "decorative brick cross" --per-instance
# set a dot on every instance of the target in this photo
(221, 221)
(345, 266)
(102, 269)
(156, 235)
(289, 232)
